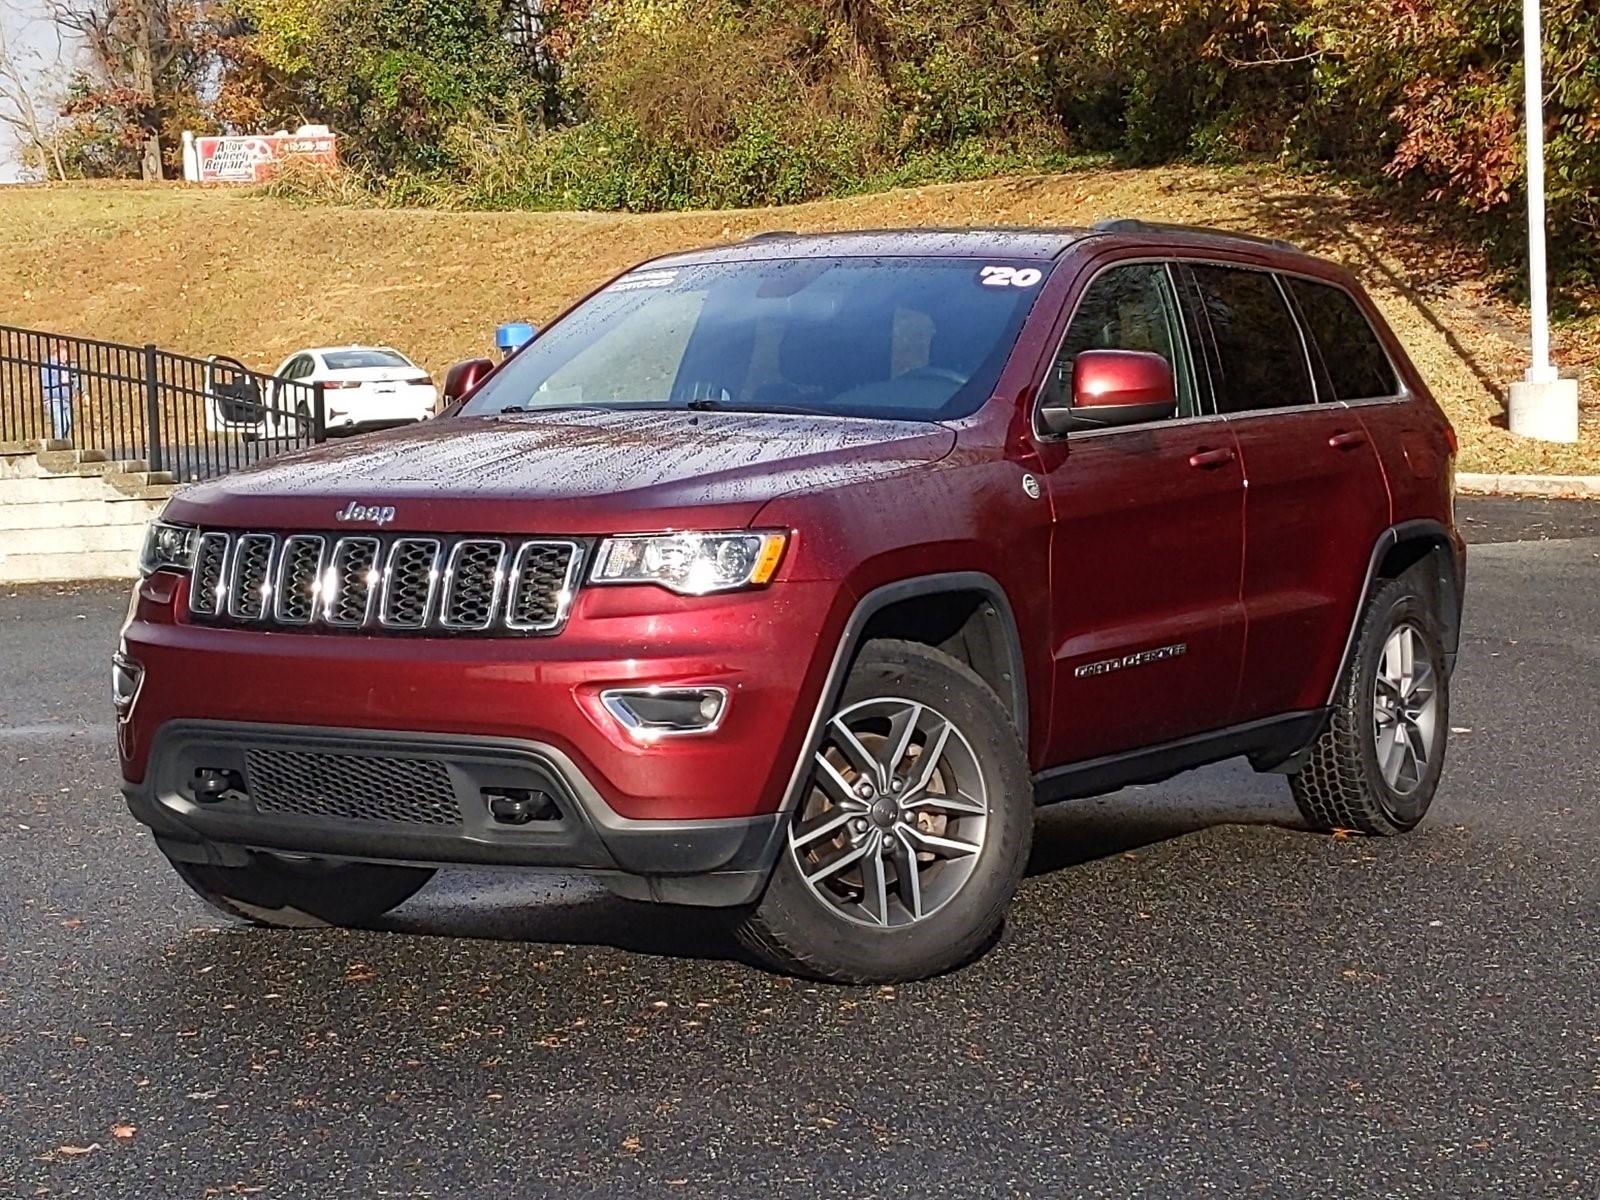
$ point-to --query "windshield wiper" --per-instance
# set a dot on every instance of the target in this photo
(710, 404)
(512, 409)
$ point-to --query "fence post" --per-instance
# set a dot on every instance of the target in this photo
(152, 410)
(319, 413)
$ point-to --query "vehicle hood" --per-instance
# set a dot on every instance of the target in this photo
(571, 472)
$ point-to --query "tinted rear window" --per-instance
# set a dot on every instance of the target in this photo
(1355, 360)
(1263, 361)
(349, 360)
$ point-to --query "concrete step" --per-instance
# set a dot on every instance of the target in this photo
(120, 510)
(75, 539)
(60, 567)
(54, 489)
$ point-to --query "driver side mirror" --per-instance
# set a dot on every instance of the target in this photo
(464, 377)
(1110, 388)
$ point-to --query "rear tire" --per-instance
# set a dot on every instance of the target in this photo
(1376, 767)
(898, 866)
(303, 893)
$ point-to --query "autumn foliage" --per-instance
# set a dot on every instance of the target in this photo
(681, 103)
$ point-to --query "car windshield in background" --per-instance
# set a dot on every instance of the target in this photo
(892, 338)
(349, 360)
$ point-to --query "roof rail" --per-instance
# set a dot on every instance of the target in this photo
(771, 233)
(1134, 225)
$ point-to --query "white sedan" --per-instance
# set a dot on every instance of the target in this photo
(363, 387)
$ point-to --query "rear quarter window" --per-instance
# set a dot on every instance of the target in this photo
(1357, 365)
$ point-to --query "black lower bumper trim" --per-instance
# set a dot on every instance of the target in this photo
(709, 862)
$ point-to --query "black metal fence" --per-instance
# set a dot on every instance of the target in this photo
(193, 417)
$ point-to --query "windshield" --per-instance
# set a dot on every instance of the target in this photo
(346, 360)
(893, 338)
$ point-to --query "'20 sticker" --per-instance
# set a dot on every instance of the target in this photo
(1023, 277)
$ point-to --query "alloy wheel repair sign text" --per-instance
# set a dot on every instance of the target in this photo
(255, 159)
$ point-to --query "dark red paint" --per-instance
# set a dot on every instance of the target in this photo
(1246, 540)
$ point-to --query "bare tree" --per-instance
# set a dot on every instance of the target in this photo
(21, 82)
(131, 45)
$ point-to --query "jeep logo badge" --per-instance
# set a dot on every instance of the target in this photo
(379, 515)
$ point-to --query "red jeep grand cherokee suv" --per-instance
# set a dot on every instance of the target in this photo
(789, 576)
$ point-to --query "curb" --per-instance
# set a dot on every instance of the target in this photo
(1585, 487)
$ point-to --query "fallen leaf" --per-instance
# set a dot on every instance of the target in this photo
(123, 1131)
(78, 1151)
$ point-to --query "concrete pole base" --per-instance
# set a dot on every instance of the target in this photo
(1547, 411)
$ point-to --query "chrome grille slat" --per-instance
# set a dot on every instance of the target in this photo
(299, 579)
(250, 580)
(543, 582)
(210, 566)
(473, 583)
(347, 585)
(386, 582)
(410, 580)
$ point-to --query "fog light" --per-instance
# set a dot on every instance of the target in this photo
(656, 712)
(126, 676)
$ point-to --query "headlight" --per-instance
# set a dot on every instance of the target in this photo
(167, 547)
(691, 564)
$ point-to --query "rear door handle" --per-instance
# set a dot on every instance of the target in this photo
(1211, 459)
(1347, 441)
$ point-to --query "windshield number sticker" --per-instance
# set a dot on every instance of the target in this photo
(1022, 277)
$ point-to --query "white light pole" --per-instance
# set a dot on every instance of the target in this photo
(1543, 405)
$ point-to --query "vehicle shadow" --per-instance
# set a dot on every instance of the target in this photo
(1077, 832)
(574, 911)
(566, 910)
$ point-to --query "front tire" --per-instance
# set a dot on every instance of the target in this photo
(303, 893)
(912, 834)
(1376, 767)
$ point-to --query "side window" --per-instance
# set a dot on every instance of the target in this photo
(1357, 365)
(1261, 358)
(1131, 308)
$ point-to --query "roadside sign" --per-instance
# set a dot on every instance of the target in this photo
(255, 158)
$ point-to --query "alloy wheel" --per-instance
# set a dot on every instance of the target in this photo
(894, 821)
(1405, 708)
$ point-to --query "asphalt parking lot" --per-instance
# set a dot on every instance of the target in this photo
(1193, 997)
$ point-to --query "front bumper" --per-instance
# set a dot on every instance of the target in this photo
(686, 819)
(366, 802)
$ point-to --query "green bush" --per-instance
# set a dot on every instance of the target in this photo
(649, 104)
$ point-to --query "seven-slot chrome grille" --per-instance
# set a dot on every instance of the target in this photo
(385, 583)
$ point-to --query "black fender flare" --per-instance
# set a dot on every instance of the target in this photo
(850, 642)
(1406, 531)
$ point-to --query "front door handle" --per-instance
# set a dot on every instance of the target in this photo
(1210, 460)
(1347, 441)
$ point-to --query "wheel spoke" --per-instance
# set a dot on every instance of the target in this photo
(1389, 752)
(858, 755)
(959, 803)
(834, 785)
(838, 863)
(908, 883)
(928, 760)
(902, 728)
(829, 823)
(875, 893)
(1420, 686)
(1418, 746)
(939, 847)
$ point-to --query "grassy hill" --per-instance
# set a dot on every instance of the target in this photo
(212, 271)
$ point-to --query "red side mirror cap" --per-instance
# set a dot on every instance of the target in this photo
(1114, 387)
(461, 379)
